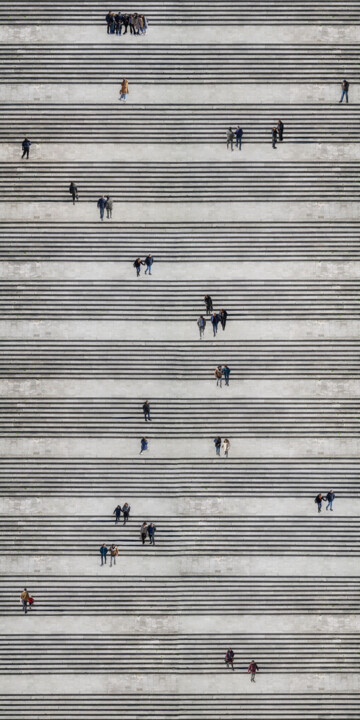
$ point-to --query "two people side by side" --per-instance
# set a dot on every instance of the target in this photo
(125, 510)
(147, 530)
(220, 372)
(105, 203)
(148, 262)
(222, 444)
(320, 498)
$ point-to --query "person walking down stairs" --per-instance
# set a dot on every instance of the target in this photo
(253, 669)
(229, 658)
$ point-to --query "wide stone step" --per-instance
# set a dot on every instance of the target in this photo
(107, 63)
(181, 181)
(269, 12)
(179, 418)
(175, 123)
(183, 360)
(180, 654)
(182, 242)
(234, 706)
(179, 300)
(239, 477)
(185, 595)
(216, 535)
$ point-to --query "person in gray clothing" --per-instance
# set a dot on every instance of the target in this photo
(201, 325)
(109, 207)
(230, 138)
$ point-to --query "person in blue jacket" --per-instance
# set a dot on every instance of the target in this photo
(238, 135)
(148, 262)
(101, 203)
(151, 533)
(103, 553)
(215, 319)
(144, 445)
(226, 373)
(330, 498)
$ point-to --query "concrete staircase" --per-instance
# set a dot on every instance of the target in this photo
(242, 557)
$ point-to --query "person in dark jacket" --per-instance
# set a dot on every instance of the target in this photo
(148, 262)
(319, 501)
(144, 445)
(118, 23)
(280, 129)
(238, 135)
(208, 304)
(73, 192)
(117, 513)
(345, 91)
(143, 532)
(137, 265)
(151, 533)
(330, 498)
(26, 148)
(126, 20)
(146, 410)
(215, 319)
(229, 658)
(274, 136)
(103, 553)
(108, 19)
(126, 512)
(253, 669)
(217, 443)
(101, 203)
(201, 325)
(226, 374)
(223, 316)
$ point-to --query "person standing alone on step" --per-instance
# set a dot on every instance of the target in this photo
(253, 669)
(26, 148)
(345, 91)
(146, 411)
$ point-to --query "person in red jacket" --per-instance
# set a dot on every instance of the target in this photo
(253, 668)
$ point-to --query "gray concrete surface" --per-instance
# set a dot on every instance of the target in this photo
(313, 447)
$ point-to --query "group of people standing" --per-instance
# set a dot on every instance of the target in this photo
(215, 318)
(277, 134)
(117, 22)
(220, 372)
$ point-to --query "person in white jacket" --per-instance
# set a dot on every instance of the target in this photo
(226, 445)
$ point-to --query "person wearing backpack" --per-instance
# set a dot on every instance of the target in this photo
(114, 551)
(137, 265)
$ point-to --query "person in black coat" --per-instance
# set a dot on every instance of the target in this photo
(208, 304)
(26, 148)
(319, 501)
(280, 129)
(223, 317)
(73, 192)
(146, 410)
(117, 513)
